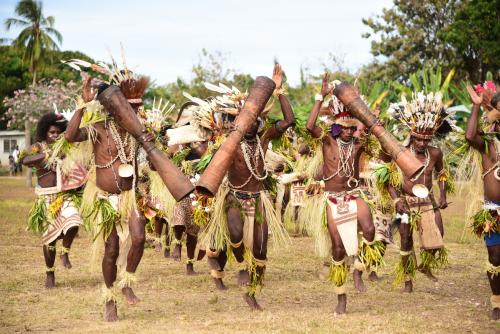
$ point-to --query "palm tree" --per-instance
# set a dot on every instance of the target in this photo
(36, 39)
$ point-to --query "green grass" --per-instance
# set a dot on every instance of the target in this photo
(294, 298)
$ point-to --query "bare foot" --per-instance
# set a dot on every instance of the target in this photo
(50, 280)
(427, 272)
(373, 276)
(358, 281)
(252, 302)
(201, 254)
(219, 284)
(341, 304)
(130, 296)
(495, 314)
(65, 261)
(176, 254)
(243, 278)
(408, 287)
(166, 253)
(190, 270)
(110, 313)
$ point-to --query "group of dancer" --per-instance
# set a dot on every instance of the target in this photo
(105, 166)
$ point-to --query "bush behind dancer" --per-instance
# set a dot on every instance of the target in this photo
(486, 222)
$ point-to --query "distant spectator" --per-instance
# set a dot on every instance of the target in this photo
(18, 167)
(12, 165)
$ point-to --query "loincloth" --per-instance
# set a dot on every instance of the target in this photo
(382, 223)
(183, 216)
(61, 214)
(257, 207)
(248, 204)
(124, 205)
(428, 231)
(344, 211)
(297, 193)
(54, 212)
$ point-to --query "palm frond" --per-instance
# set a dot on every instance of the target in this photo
(50, 20)
(29, 9)
(10, 22)
(55, 33)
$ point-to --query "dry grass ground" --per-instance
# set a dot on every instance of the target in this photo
(295, 299)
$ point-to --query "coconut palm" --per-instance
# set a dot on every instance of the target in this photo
(36, 39)
(37, 36)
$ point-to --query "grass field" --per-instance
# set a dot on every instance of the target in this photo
(294, 298)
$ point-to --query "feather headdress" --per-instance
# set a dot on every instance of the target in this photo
(131, 85)
(157, 116)
(341, 116)
(423, 115)
(209, 113)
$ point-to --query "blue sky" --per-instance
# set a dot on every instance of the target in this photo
(163, 39)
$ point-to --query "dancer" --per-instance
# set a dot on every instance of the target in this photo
(182, 218)
(341, 208)
(486, 222)
(245, 206)
(55, 213)
(111, 207)
(426, 119)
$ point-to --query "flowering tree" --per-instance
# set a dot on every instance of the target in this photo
(31, 103)
(28, 105)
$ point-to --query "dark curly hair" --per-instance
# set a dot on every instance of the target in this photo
(495, 99)
(48, 120)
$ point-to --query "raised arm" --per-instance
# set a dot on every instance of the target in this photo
(286, 108)
(311, 126)
(471, 133)
(73, 131)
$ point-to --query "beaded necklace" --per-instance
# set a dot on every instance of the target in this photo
(120, 144)
(345, 167)
(252, 155)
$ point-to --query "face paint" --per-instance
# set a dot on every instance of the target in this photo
(335, 130)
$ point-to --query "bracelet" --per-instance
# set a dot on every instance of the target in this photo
(280, 91)
(82, 105)
(319, 97)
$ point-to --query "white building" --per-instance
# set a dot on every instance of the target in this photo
(8, 141)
